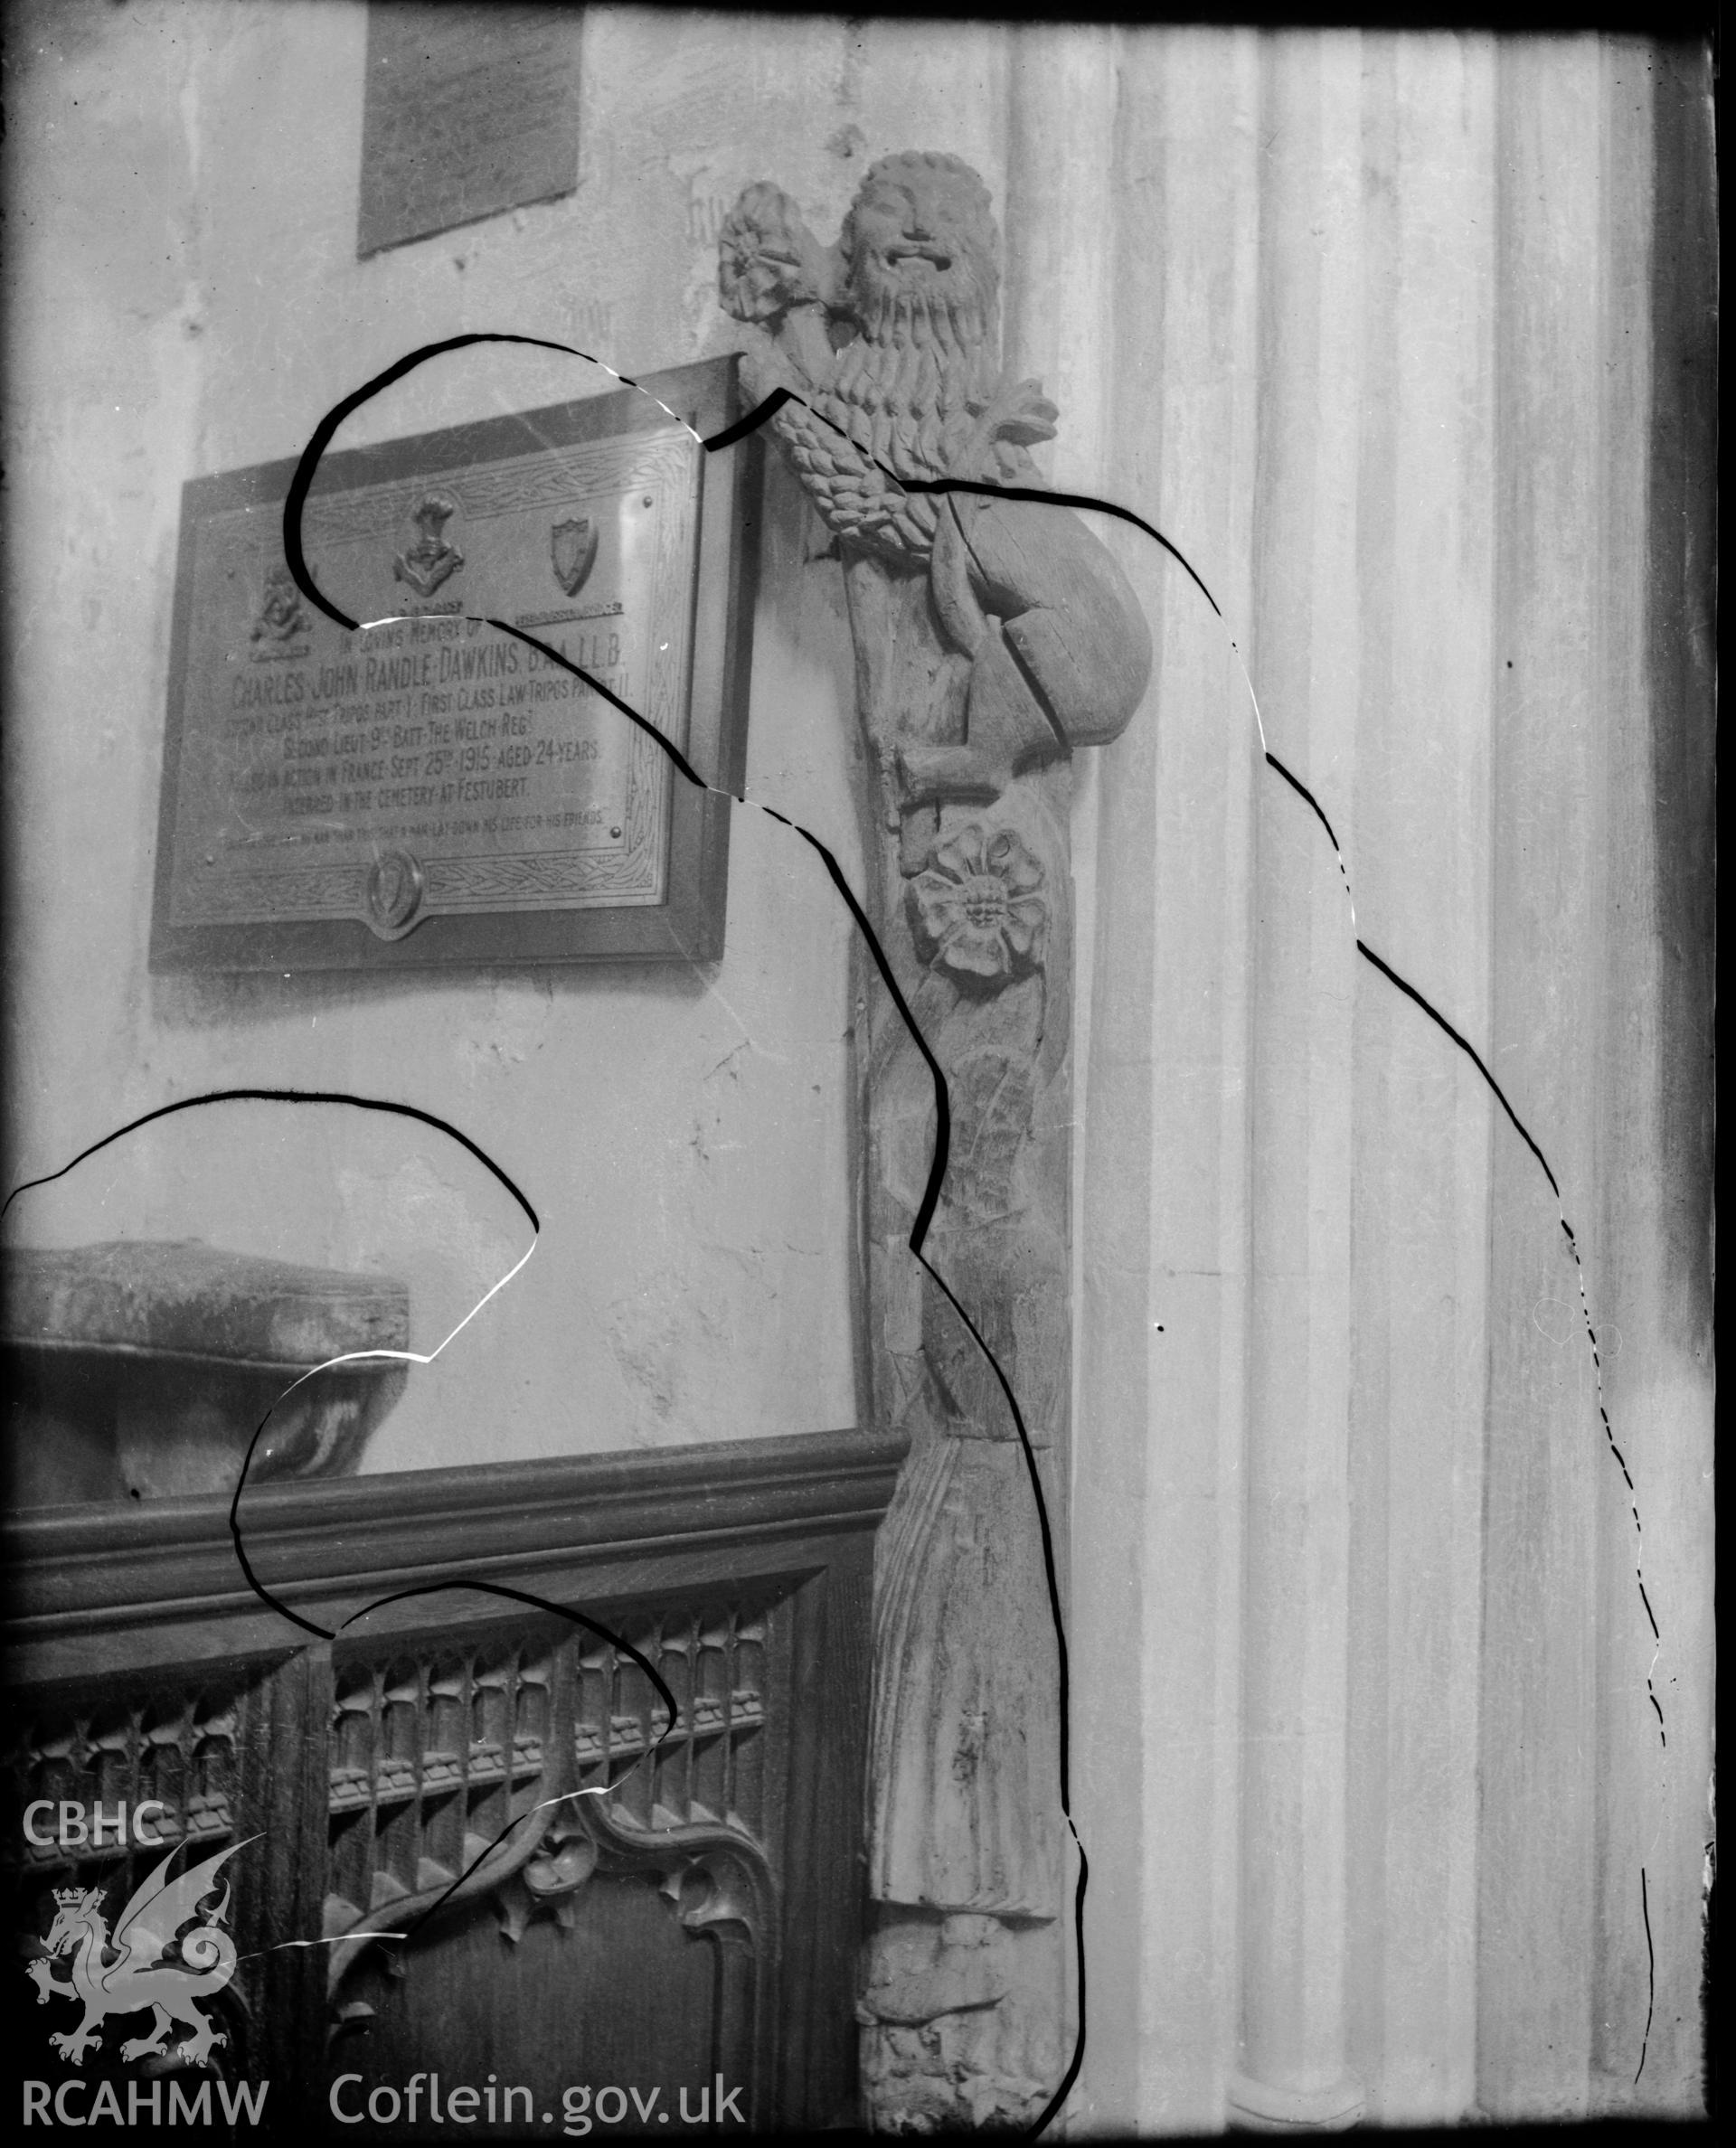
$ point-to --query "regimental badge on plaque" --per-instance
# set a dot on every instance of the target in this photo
(425, 789)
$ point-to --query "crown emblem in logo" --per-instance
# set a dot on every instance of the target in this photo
(430, 560)
(130, 1971)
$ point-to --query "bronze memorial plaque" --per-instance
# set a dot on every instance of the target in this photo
(467, 111)
(427, 789)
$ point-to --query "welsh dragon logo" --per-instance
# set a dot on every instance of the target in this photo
(128, 1973)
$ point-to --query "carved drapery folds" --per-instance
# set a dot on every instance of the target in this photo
(992, 637)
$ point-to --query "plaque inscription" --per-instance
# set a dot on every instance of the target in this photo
(424, 785)
(468, 110)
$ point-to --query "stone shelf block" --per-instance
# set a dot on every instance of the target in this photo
(142, 1369)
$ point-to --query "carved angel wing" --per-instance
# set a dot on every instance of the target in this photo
(160, 1906)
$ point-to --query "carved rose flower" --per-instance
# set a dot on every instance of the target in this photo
(767, 260)
(977, 910)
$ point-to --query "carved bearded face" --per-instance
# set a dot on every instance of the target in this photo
(920, 239)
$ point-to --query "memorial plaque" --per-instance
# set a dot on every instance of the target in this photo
(426, 788)
(467, 111)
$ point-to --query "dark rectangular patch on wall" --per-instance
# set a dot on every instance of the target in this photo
(468, 110)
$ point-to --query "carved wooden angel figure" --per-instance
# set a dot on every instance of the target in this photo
(992, 638)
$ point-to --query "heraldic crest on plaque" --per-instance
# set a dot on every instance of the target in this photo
(430, 560)
(572, 552)
(281, 614)
(427, 789)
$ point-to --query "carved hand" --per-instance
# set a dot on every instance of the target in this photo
(768, 258)
(772, 272)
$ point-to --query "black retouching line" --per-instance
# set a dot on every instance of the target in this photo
(943, 1117)
(918, 1235)
(265, 1594)
(1471, 1053)
(273, 1602)
(603, 1633)
(1651, 1976)
(682, 765)
(483, 1855)
(769, 409)
(1038, 494)
(295, 556)
(325, 431)
(266, 1597)
(942, 1096)
(755, 419)
(1464, 1044)
(389, 1106)
(295, 559)
(1078, 2060)
(1567, 1231)
(1049, 1567)
(265, 1096)
(1075, 500)
(483, 1587)
(776, 400)
(1302, 791)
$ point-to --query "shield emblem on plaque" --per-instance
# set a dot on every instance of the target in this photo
(572, 548)
(394, 894)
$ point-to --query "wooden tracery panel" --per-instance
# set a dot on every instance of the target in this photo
(661, 1903)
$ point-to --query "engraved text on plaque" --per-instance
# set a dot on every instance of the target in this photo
(425, 767)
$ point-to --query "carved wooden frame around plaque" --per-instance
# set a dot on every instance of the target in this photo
(431, 791)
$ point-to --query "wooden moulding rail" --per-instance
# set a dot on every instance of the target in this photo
(154, 1583)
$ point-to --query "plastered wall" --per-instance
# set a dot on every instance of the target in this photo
(184, 297)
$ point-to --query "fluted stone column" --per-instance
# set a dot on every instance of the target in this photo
(1293, 2069)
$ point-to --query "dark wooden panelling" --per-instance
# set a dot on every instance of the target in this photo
(165, 1572)
(719, 1931)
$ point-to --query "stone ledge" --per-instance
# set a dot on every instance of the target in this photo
(183, 1298)
(145, 1369)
